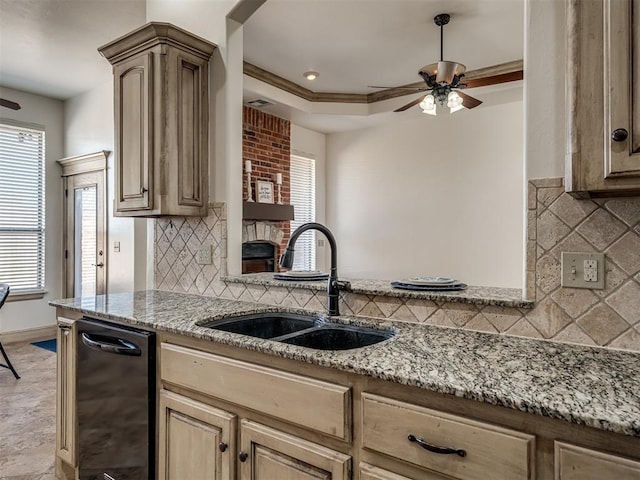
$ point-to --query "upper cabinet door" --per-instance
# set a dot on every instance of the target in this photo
(603, 93)
(133, 82)
(622, 87)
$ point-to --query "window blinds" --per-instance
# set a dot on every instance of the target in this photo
(303, 199)
(22, 208)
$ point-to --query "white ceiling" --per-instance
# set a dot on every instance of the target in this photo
(49, 47)
(355, 43)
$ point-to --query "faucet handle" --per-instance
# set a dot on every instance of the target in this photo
(342, 285)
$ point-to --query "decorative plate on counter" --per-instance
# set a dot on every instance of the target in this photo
(430, 288)
(301, 275)
(430, 281)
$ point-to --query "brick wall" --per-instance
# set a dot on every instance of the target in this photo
(266, 142)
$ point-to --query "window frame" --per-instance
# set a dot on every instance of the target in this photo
(307, 241)
(38, 290)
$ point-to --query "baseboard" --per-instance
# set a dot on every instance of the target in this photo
(29, 335)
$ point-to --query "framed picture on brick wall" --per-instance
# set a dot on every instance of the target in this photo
(264, 191)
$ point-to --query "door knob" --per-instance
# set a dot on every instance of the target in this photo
(619, 135)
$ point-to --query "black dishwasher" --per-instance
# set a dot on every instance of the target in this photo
(115, 393)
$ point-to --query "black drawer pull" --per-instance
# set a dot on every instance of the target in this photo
(435, 448)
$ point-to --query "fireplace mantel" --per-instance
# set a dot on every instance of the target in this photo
(266, 211)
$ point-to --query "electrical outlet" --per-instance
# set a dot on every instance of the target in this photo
(583, 270)
(590, 270)
(204, 255)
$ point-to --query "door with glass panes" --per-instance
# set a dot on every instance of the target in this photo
(85, 233)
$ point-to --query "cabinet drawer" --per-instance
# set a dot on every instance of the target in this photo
(577, 463)
(314, 404)
(387, 424)
(369, 472)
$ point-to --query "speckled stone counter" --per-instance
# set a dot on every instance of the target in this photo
(582, 385)
(499, 297)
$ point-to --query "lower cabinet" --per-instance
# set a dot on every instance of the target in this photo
(449, 445)
(577, 463)
(195, 441)
(268, 454)
(368, 472)
(66, 399)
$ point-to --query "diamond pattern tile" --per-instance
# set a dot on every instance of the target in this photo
(601, 229)
(602, 324)
(626, 253)
(626, 209)
(609, 317)
(570, 211)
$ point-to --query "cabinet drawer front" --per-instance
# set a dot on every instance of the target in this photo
(506, 454)
(577, 463)
(296, 399)
(369, 472)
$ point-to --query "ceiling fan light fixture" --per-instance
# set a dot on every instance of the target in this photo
(454, 102)
(447, 71)
(428, 105)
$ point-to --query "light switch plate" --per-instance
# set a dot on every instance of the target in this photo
(583, 270)
(204, 255)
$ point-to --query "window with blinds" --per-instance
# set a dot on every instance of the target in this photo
(22, 208)
(303, 199)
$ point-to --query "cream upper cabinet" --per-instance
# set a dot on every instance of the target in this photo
(269, 454)
(195, 441)
(603, 89)
(161, 82)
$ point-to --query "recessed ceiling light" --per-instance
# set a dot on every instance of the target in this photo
(310, 75)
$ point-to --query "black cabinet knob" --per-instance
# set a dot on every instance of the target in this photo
(619, 135)
(223, 447)
(243, 456)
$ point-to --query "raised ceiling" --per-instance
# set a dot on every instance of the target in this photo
(357, 43)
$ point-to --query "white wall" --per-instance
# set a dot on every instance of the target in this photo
(89, 128)
(432, 196)
(48, 112)
(544, 67)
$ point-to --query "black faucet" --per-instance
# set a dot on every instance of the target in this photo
(334, 285)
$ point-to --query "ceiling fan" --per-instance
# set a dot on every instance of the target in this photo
(444, 80)
(9, 104)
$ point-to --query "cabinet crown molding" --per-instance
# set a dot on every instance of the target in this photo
(153, 34)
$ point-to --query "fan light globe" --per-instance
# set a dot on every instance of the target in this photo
(454, 102)
(428, 105)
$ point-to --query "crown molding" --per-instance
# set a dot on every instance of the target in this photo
(513, 68)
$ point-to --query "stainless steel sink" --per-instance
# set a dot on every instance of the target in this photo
(310, 331)
(265, 325)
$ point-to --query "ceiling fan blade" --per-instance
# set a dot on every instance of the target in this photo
(468, 101)
(493, 79)
(410, 104)
(9, 104)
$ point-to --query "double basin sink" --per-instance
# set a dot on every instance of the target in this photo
(309, 331)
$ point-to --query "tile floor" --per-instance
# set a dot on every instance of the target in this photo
(28, 414)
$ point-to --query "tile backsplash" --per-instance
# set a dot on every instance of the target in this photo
(556, 222)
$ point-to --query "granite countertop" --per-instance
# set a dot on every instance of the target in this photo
(589, 386)
(496, 296)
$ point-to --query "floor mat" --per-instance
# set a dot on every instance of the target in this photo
(47, 345)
